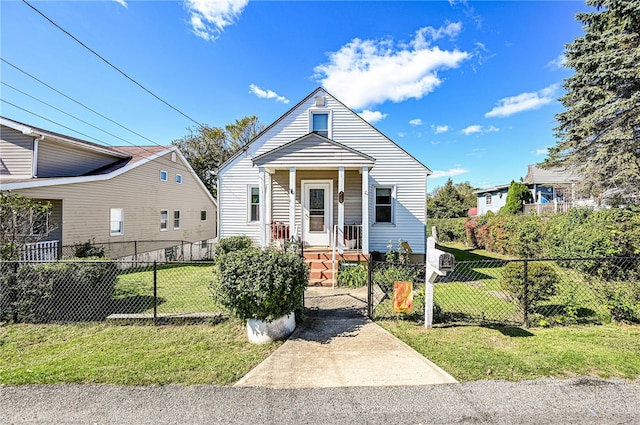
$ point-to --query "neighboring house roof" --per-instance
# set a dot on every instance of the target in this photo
(276, 122)
(537, 175)
(324, 152)
(125, 158)
(492, 189)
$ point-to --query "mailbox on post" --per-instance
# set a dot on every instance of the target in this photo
(439, 263)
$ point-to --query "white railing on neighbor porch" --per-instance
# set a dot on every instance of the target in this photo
(352, 237)
(40, 251)
(548, 207)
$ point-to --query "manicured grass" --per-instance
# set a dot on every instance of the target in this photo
(181, 289)
(130, 355)
(472, 353)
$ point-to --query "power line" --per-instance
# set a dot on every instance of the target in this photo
(112, 65)
(77, 102)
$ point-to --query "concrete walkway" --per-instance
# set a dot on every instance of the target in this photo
(338, 346)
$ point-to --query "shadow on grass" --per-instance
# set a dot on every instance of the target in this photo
(465, 254)
(133, 304)
(511, 331)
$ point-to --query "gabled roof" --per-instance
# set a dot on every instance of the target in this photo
(537, 175)
(328, 152)
(312, 94)
(492, 189)
(33, 131)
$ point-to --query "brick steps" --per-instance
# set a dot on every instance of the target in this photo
(321, 265)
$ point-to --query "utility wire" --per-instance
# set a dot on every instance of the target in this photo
(168, 164)
(112, 65)
(77, 102)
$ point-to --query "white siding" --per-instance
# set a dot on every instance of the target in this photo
(393, 167)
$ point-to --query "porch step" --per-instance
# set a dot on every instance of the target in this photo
(321, 265)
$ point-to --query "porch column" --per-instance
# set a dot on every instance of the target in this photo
(365, 210)
(340, 232)
(263, 208)
(292, 202)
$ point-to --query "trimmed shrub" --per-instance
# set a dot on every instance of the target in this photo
(63, 291)
(542, 280)
(233, 243)
(260, 284)
(449, 229)
(622, 299)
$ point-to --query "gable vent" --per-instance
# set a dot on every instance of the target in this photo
(320, 100)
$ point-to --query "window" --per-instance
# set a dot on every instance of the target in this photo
(254, 204)
(176, 219)
(203, 215)
(320, 123)
(163, 175)
(384, 205)
(488, 198)
(117, 222)
(179, 178)
(204, 244)
(164, 220)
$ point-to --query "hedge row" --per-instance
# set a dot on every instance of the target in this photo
(582, 232)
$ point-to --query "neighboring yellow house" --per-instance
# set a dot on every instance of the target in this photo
(142, 201)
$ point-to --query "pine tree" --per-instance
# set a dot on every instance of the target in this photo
(599, 132)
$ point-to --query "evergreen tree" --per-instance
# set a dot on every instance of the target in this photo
(518, 194)
(599, 132)
(447, 203)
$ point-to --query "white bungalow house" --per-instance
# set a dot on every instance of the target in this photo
(325, 175)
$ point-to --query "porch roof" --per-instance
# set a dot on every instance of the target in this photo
(313, 151)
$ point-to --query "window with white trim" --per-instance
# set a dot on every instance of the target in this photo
(320, 122)
(176, 219)
(163, 175)
(116, 226)
(488, 198)
(179, 178)
(164, 220)
(254, 203)
(384, 197)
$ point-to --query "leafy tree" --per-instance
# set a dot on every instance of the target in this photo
(518, 194)
(599, 132)
(447, 203)
(206, 148)
(22, 221)
(466, 191)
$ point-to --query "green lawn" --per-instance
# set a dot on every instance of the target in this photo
(181, 289)
(472, 353)
(130, 355)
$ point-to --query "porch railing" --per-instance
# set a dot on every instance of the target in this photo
(352, 237)
(549, 207)
(40, 251)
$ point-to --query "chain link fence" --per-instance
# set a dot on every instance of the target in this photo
(532, 292)
(72, 291)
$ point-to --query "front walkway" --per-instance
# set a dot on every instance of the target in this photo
(338, 346)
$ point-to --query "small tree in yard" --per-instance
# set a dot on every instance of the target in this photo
(518, 194)
(541, 282)
(22, 221)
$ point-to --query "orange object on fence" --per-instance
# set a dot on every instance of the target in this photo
(402, 297)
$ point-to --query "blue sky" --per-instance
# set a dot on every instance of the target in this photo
(468, 88)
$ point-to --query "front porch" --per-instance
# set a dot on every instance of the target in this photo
(323, 264)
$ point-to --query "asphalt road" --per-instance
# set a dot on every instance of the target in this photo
(574, 401)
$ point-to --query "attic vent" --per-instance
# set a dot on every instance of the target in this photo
(320, 100)
(173, 156)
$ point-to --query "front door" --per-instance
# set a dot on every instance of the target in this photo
(317, 212)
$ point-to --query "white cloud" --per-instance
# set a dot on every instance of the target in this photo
(475, 129)
(121, 2)
(542, 151)
(365, 73)
(416, 121)
(208, 18)
(401, 134)
(267, 94)
(438, 174)
(523, 102)
(439, 129)
(372, 116)
(557, 63)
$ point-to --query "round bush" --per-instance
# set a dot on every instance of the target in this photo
(260, 284)
(542, 280)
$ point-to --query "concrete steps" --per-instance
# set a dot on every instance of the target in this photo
(321, 265)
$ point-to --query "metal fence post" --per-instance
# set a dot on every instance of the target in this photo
(525, 294)
(155, 292)
(370, 287)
